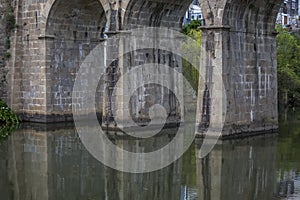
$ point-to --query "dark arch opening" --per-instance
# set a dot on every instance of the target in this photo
(252, 16)
(74, 28)
(155, 13)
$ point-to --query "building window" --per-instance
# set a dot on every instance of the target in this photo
(285, 20)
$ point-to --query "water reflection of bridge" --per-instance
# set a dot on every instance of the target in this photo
(46, 162)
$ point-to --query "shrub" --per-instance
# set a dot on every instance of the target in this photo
(7, 116)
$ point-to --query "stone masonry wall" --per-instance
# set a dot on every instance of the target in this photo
(140, 14)
(239, 40)
(76, 29)
(53, 37)
(27, 64)
(47, 52)
(6, 24)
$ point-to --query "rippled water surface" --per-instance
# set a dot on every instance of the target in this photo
(40, 162)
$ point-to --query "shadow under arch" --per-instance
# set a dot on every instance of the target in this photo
(50, 3)
(251, 16)
(167, 13)
(73, 29)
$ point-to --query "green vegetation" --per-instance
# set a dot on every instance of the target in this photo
(7, 55)
(190, 72)
(189, 176)
(5, 131)
(8, 121)
(191, 27)
(288, 149)
(6, 114)
(288, 67)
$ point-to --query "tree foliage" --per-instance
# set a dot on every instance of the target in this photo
(192, 26)
(288, 67)
(190, 72)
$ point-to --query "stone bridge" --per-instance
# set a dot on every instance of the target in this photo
(52, 38)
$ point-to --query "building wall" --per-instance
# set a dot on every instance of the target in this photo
(193, 13)
(288, 15)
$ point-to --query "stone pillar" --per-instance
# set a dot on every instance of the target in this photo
(134, 51)
(211, 70)
(112, 73)
(247, 56)
(247, 65)
(27, 69)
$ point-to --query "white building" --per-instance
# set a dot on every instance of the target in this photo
(193, 13)
(289, 13)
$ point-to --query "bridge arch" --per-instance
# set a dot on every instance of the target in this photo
(155, 13)
(238, 38)
(73, 29)
(50, 3)
(236, 13)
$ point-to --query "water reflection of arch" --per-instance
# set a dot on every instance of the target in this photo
(50, 162)
(238, 169)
